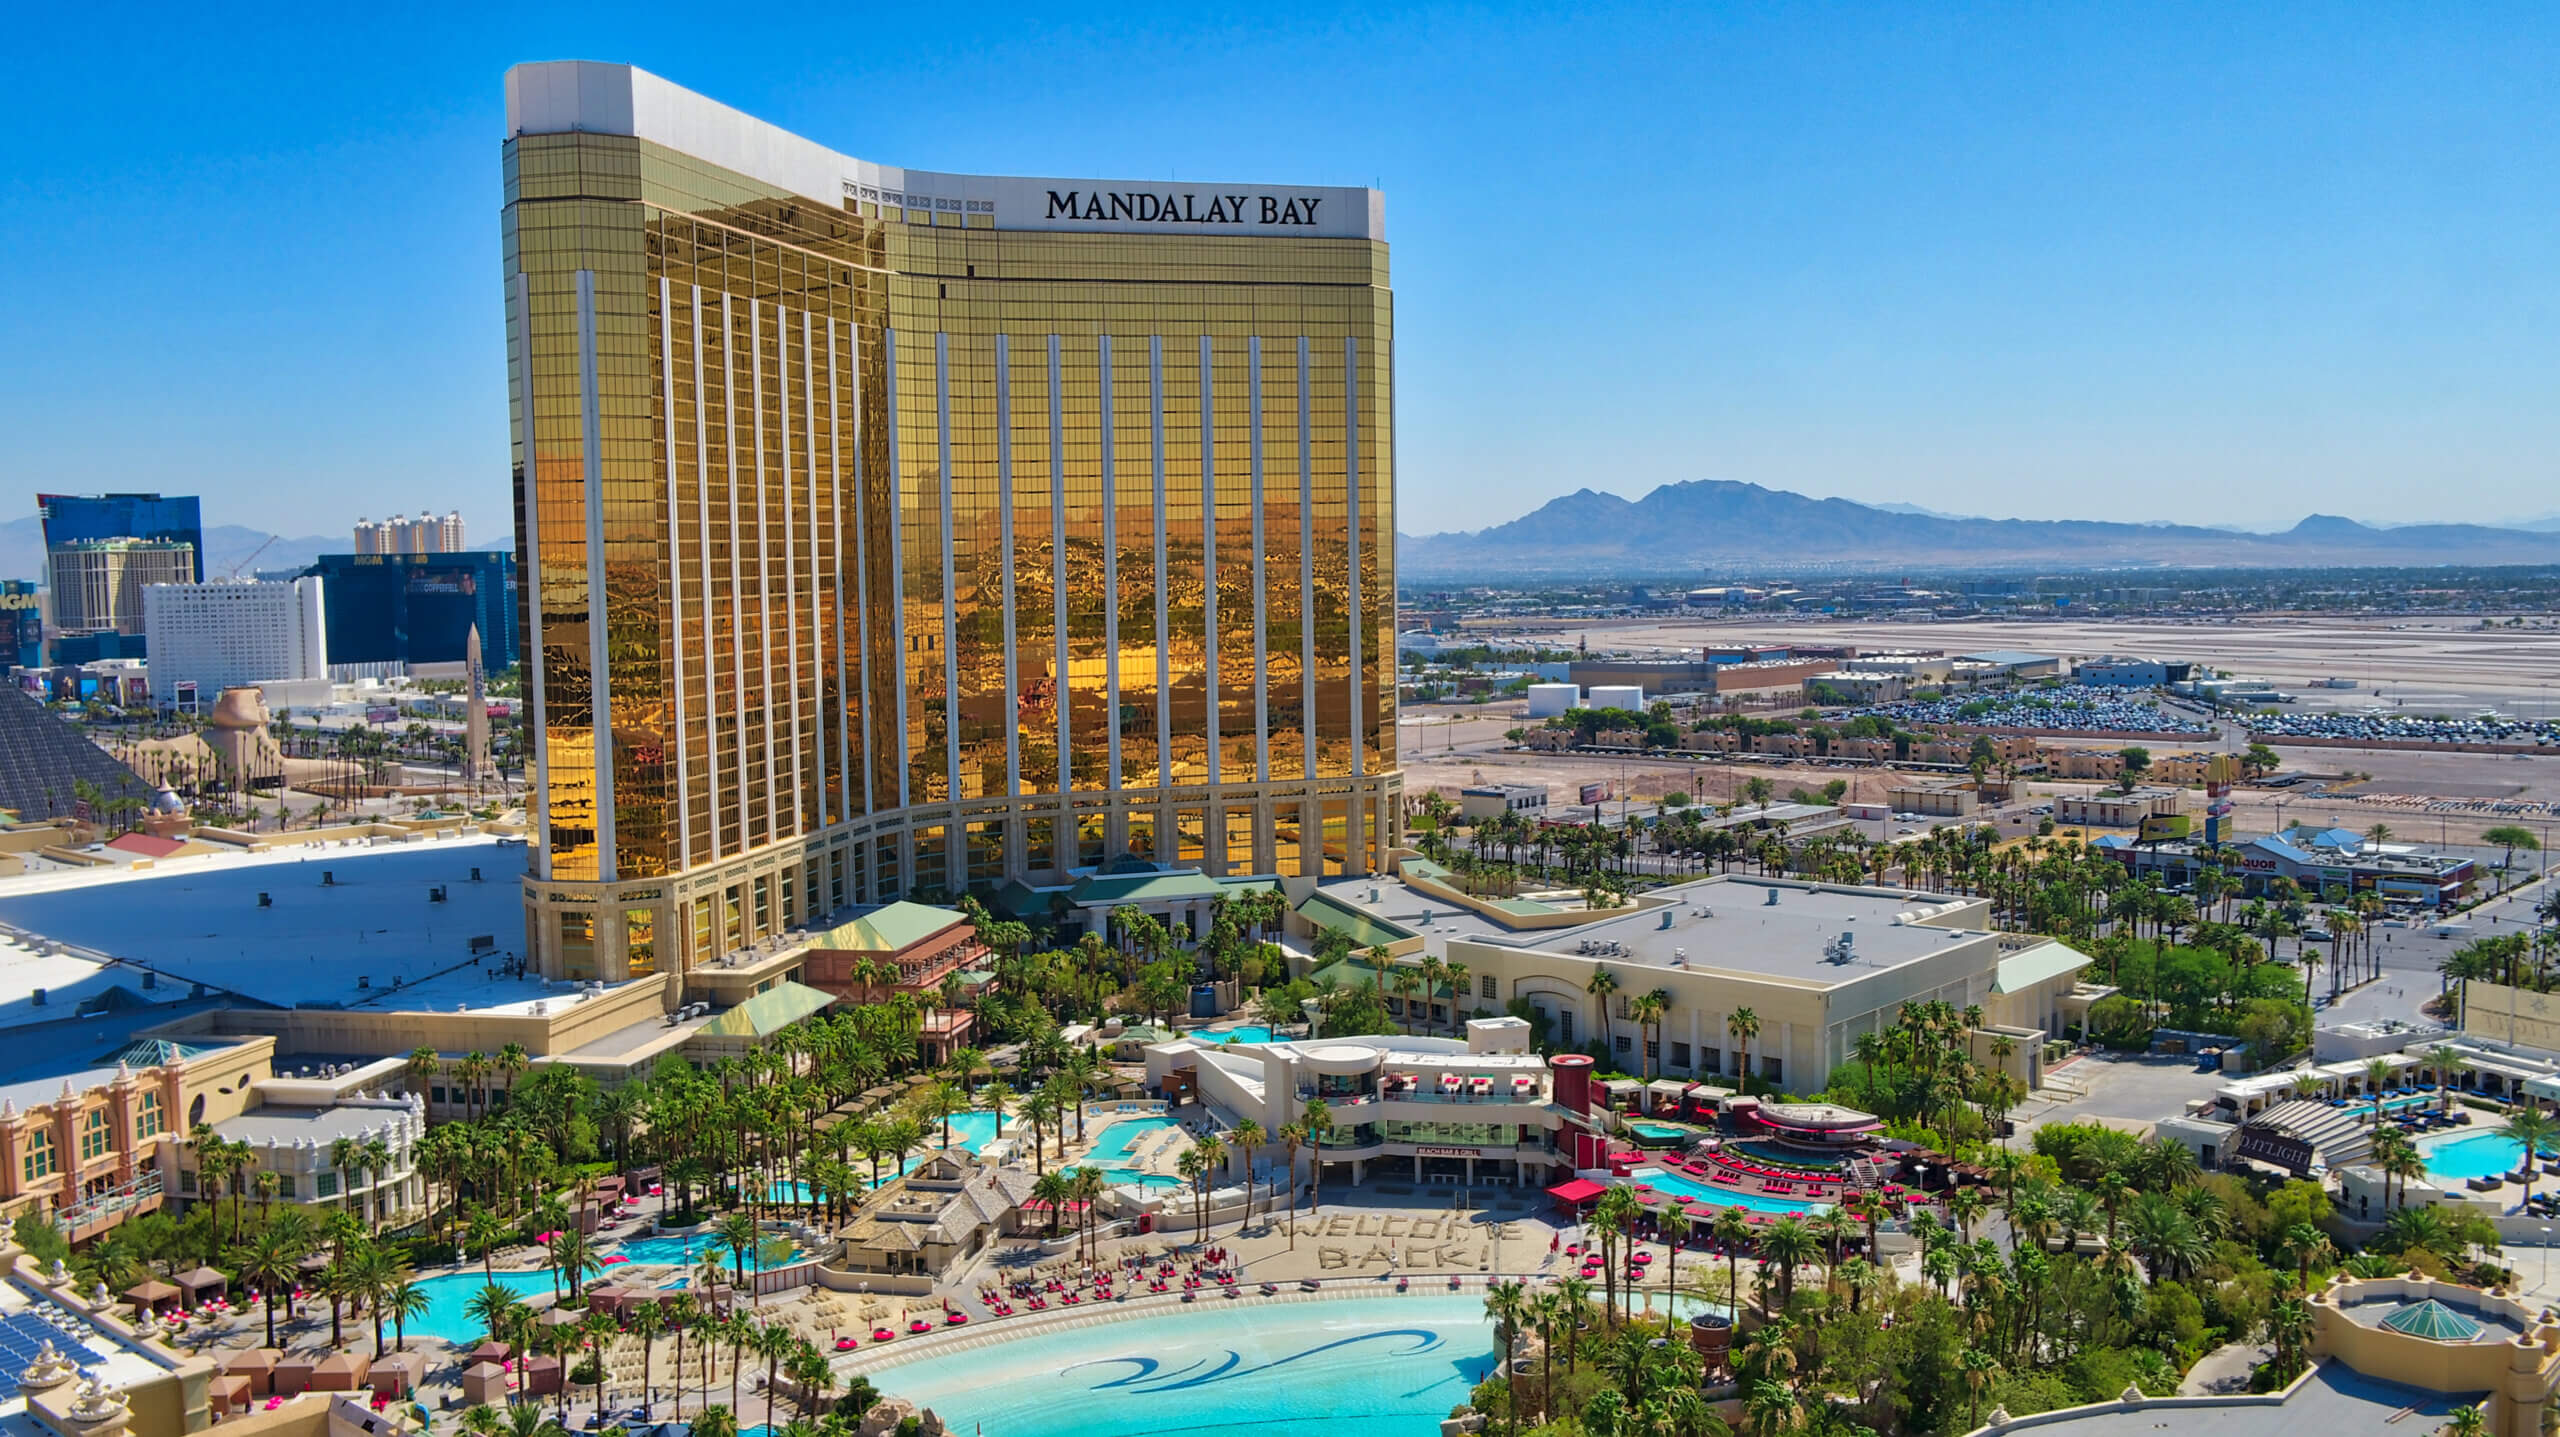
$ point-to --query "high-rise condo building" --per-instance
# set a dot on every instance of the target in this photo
(401, 534)
(890, 532)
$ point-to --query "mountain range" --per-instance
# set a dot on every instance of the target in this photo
(1681, 528)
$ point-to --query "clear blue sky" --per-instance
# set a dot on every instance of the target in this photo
(2213, 263)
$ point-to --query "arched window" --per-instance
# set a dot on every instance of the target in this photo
(195, 1111)
(38, 1160)
(152, 1122)
(97, 1135)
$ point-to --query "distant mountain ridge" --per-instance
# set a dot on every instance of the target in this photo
(1683, 527)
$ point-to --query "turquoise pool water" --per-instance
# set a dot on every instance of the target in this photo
(2474, 1155)
(1683, 1186)
(687, 1252)
(1659, 1132)
(1111, 1153)
(1253, 1033)
(1341, 1367)
(973, 1129)
(449, 1297)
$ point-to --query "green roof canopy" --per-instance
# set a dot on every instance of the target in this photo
(1363, 930)
(888, 928)
(2433, 1321)
(770, 1011)
(1102, 891)
(2027, 967)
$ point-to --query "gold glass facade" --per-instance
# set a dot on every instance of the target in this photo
(879, 549)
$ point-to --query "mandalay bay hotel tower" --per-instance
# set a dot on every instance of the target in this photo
(891, 533)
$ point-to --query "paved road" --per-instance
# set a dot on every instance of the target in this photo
(2409, 957)
(2121, 1085)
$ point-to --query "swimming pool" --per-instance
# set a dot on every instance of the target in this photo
(1340, 1367)
(1659, 1132)
(1111, 1153)
(688, 1251)
(1252, 1033)
(1679, 1185)
(449, 1300)
(2473, 1155)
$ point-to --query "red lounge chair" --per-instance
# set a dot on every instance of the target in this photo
(881, 1334)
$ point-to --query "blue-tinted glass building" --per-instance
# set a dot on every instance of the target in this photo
(419, 608)
(77, 518)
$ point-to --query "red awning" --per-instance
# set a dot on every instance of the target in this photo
(1580, 1190)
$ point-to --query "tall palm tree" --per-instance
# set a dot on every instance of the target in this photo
(646, 1320)
(1247, 1136)
(1508, 1302)
(270, 1263)
(1731, 1230)
(2536, 1130)
(1317, 1118)
(1292, 1135)
(1743, 1026)
(1602, 983)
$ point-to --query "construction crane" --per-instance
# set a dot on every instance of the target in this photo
(253, 558)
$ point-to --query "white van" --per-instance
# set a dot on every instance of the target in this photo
(2449, 930)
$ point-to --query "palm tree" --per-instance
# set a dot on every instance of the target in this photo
(2447, 1063)
(2536, 1130)
(1731, 1230)
(1601, 985)
(646, 1320)
(270, 1263)
(1787, 1244)
(1979, 1368)
(739, 1233)
(2466, 1421)
(2307, 1244)
(2377, 1074)
(485, 1232)
(1291, 1136)
(1247, 1136)
(1743, 1026)
(1508, 1302)
(493, 1307)
(403, 1300)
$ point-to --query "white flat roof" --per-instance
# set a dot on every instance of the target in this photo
(198, 921)
(594, 97)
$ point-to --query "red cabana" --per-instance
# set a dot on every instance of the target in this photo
(1576, 1192)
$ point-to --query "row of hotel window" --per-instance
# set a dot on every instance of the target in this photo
(97, 1139)
(323, 1185)
(1711, 1059)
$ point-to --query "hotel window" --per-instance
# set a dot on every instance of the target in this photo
(38, 1162)
(1564, 1028)
(153, 1121)
(97, 1135)
(1626, 1044)
(640, 940)
(186, 1180)
(1679, 1055)
(284, 1186)
(325, 1184)
(1485, 985)
(1773, 1070)
(1711, 1059)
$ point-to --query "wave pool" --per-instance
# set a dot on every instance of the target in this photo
(1340, 1367)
